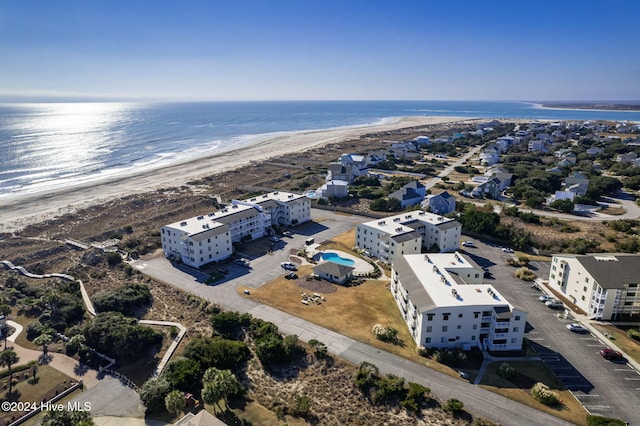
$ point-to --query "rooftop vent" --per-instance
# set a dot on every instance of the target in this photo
(184, 223)
(211, 214)
(235, 206)
(253, 199)
(454, 293)
(421, 213)
(200, 217)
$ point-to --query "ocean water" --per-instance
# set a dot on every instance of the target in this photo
(51, 145)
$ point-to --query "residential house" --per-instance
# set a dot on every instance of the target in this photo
(422, 140)
(502, 174)
(411, 194)
(505, 142)
(333, 188)
(490, 155)
(536, 145)
(444, 139)
(440, 204)
(577, 183)
(338, 171)
(490, 189)
(333, 272)
(407, 233)
(605, 286)
(284, 208)
(445, 304)
(594, 150)
(626, 157)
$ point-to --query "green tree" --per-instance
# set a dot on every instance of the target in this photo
(217, 352)
(175, 401)
(453, 405)
(565, 206)
(219, 384)
(183, 373)
(153, 393)
(43, 340)
(7, 359)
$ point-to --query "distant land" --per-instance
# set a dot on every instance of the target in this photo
(613, 106)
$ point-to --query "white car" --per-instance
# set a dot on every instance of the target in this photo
(554, 304)
(545, 298)
(577, 328)
(507, 250)
(468, 244)
(288, 266)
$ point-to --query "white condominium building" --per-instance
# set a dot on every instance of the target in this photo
(445, 304)
(208, 238)
(605, 286)
(408, 233)
(284, 208)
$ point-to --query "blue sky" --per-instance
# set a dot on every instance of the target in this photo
(321, 49)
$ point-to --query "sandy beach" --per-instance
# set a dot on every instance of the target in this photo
(20, 211)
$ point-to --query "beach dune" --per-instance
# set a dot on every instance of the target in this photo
(22, 210)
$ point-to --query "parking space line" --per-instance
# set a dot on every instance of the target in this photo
(624, 369)
(632, 378)
(594, 346)
(596, 407)
(585, 395)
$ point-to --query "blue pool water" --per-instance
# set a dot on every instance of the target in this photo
(333, 257)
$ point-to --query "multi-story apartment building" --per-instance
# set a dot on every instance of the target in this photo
(407, 233)
(605, 286)
(208, 238)
(445, 304)
(284, 208)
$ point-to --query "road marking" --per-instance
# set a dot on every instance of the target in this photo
(632, 378)
(536, 338)
(588, 338)
(594, 346)
(622, 369)
(596, 407)
(580, 396)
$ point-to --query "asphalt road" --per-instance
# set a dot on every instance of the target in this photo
(603, 387)
(476, 399)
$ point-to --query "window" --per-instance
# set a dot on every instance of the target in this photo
(476, 314)
(475, 326)
(473, 337)
(459, 327)
(584, 288)
(429, 329)
(517, 317)
(459, 315)
(427, 340)
(445, 328)
(515, 329)
(429, 317)
(445, 317)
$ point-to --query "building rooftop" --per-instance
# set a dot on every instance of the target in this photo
(281, 196)
(198, 224)
(437, 280)
(402, 223)
(611, 270)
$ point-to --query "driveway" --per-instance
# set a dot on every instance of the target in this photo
(476, 399)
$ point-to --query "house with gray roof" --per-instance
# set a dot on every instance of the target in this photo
(333, 272)
(411, 194)
(604, 286)
(442, 203)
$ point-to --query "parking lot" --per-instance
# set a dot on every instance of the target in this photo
(604, 387)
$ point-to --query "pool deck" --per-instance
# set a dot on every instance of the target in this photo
(361, 267)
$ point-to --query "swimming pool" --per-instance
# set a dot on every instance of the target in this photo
(335, 258)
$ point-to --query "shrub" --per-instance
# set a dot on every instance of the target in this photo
(604, 421)
(415, 397)
(453, 405)
(541, 393)
(125, 299)
(525, 274)
(634, 334)
(384, 333)
(114, 258)
(506, 371)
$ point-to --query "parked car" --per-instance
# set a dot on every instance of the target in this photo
(463, 374)
(274, 239)
(287, 234)
(291, 275)
(468, 244)
(545, 298)
(535, 286)
(242, 262)
(507, 250)
(609, 353)
(288, 266)
(577, 328)
(554, 304)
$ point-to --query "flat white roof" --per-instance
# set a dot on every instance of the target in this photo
(197, 224)
(432, 272)
(280, 196)
(395, 225)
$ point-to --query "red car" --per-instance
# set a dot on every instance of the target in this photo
(610, 354)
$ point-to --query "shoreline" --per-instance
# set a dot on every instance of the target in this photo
(22, 210)
(538, 105)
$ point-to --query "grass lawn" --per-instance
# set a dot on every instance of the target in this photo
(629, 346)
(352, 311)
(531, 372)
(48, 381)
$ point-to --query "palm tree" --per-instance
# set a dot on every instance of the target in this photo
(219, 384)
(175, 401)
(9, 358)
(43, 340)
